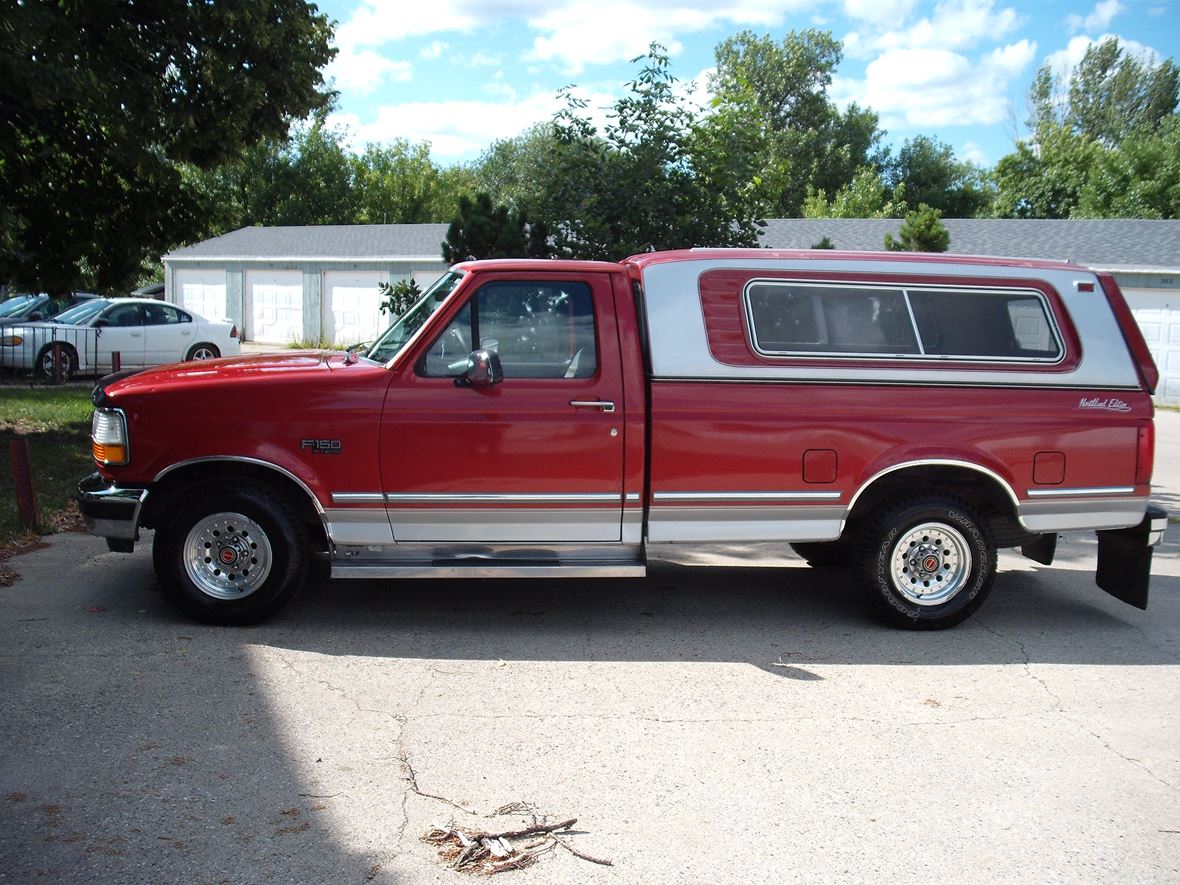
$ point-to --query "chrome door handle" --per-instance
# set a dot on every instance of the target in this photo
(605, 405)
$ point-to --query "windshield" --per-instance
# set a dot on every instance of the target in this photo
(80, 313)
(393, 339)
(16, 306)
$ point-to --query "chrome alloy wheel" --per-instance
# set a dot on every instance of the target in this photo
(227, 555)
(204, 352)
(930, 563)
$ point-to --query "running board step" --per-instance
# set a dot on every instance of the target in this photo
(477, 568)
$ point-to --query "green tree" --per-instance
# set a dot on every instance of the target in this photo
(305, 178)
(1141, 179)
(1112, 94)
(932, 174)
(104, 100)
(781, 89)
(397, 298)
(660, 176)
(1044, 180)
(922, 231)
(399, 183)
(1102, 145)
(866, 196)
(508, 171)
(482, 230)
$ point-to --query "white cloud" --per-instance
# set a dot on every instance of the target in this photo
(973, 153)
(924, 87)
(434, 50)
(954, 24)
(1099, 19)
(572, 33)
(363, 71)
(483, 59)
(881, 13)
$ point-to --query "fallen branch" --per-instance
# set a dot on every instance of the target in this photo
(478, 851)
(598, 860)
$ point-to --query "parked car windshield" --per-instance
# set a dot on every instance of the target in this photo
(15, 306)
(80, 313)
(393, 339)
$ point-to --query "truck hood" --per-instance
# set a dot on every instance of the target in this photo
(255, 370)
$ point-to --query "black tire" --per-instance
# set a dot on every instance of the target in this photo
(827, 554)
(202, 351)
(44, 364)
(247, 526)
(947, 569)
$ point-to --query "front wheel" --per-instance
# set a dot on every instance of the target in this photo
(233, 555)
(927, 563)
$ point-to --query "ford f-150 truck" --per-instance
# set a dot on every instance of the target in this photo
(903, 414)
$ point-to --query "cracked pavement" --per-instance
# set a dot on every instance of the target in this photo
(744, 723)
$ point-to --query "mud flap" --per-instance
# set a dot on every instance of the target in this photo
(1124, 557)
(1042, 549)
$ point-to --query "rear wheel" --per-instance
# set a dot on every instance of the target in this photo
(203, 351)
(927, 562)
(46, 361)
(233, 555)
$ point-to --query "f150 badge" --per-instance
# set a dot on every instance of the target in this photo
(322, 446)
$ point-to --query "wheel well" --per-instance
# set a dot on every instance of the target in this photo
(201, 344)
(187, 480)
(984, 493)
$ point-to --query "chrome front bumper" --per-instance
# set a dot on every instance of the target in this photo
(110, 511)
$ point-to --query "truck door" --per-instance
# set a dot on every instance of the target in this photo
(534, 459)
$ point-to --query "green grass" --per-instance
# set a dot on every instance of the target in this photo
(56, 422)
(322, 344)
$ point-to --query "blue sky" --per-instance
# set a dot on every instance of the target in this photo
(462, 73)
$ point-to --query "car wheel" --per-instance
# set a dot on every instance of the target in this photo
(45, 362)
(203, 352)
(927, 563)
(231, 555)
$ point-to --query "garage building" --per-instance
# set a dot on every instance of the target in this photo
(309, 285)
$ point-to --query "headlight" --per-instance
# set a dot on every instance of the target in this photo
(11, 341)
(108, 437)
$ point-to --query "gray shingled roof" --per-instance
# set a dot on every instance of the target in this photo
(334, 242)
(1105, 243)
(1100, 243)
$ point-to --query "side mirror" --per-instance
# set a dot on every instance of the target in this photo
(483, 370)
(36, 316)
(101, 323)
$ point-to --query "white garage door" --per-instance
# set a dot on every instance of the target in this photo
(1158, 314)
(202, 292)
(352, 311)
(274, 306)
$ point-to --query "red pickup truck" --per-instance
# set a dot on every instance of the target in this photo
(905, 415)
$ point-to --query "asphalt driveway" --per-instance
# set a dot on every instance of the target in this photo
(745, 723)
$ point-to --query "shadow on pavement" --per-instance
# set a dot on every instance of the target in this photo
(136, 746)
(744, 614)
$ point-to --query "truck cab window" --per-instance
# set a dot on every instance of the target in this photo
(540, 330)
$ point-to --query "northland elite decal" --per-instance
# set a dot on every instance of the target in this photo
(1107, 405)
